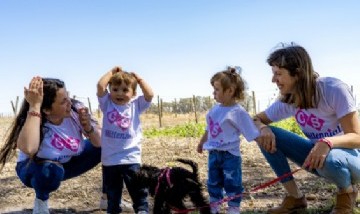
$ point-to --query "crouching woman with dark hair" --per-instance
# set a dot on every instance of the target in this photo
(56, 137)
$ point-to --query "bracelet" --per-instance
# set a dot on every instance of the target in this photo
(34, 114)
(328, 142)
(90, 131)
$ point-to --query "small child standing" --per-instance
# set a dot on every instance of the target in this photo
(121, 135)
(226, 121)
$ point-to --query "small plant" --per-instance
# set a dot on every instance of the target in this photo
(290, 125)
(184, 130)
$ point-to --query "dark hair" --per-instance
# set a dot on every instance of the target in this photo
(230, 77)
(297, 61)
(50, 88)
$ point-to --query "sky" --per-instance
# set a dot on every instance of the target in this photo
(176, 46)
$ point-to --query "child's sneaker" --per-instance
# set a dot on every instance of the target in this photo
(125, 206)
(40, 207)
(233, 210)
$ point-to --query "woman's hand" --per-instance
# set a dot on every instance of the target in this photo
(316, 157)
(34, 94)
(85, 119)
(266, 140)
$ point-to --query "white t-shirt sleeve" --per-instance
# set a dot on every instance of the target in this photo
(245, 124)
(339, 97)
(103, 100)
(279, 110)
(142, 104)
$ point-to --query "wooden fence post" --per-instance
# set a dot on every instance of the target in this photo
(15, 106)
(175, 108)
(89, 105)
(194, 103)
(254, 102)
(159, 112)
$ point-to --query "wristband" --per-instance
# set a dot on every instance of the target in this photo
(90, 131)
(328, 142)
(34, 114)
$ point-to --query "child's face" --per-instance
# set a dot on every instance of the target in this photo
(121, 94)
(222, 96)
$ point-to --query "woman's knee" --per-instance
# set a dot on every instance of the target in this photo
(334, 166)
(48, 176)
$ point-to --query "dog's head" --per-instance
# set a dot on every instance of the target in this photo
(147, 176)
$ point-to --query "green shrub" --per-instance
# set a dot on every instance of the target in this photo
(183, 130)
(192, 129)
(290, 125)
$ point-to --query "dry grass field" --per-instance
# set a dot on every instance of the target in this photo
(81, 195)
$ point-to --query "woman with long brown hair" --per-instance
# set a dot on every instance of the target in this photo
(56, 137)
(325, 110)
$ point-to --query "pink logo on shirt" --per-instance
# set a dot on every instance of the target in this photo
(69, 143)
(121, 120)
(311, 120)
(215, 128)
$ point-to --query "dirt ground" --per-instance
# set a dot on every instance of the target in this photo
(81, 194)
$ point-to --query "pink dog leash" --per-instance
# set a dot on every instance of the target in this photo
(261, 186)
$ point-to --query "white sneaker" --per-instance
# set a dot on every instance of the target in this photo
(233, 210)
(40, 207)
(125, 206)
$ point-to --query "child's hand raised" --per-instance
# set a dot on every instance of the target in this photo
(116, 69)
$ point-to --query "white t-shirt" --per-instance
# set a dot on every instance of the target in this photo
(60, 142)
(121, 131)
(225, 124)
(336, 101)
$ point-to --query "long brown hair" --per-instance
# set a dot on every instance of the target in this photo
(297, 61)
(50, 87)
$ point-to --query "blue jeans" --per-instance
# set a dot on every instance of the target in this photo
(114, 178)
(224, 174)
(341, 166)
(46, 176)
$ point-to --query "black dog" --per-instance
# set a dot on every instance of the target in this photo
(171, 186)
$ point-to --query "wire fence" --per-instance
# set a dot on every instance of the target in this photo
(193, 107)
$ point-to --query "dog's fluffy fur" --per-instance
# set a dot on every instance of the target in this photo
(183, 183)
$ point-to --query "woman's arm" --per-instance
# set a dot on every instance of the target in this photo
(91, 131)
(351, 127)
(267, 138)
(29, 135)
(350, 139)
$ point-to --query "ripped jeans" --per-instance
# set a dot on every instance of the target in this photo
(224, 174)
